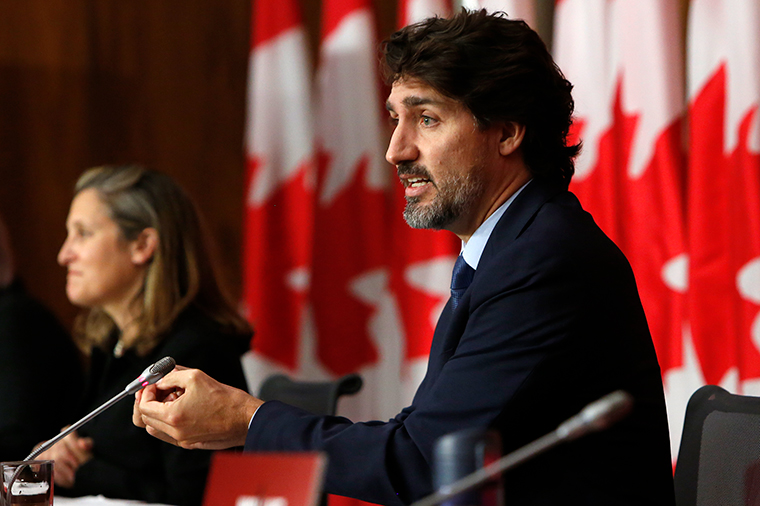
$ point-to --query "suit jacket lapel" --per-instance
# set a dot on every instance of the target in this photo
(451, 323)
(517, 218)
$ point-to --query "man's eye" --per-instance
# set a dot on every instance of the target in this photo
(427, 121)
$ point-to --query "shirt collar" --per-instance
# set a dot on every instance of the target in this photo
(472, 250)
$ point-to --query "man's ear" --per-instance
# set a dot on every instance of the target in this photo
(143, 248)
(512, 135)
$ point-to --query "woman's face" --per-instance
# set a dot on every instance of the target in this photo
(103, 270)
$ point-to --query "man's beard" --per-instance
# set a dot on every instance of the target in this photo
(455, 194)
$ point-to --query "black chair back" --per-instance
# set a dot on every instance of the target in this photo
(719, 458)
(317, 397)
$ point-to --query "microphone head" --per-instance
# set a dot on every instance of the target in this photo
(608, 410)
(597, 416)
(163, 367)
(151, 374)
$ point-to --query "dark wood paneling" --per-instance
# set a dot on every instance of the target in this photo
(43, 119)
(88, 82)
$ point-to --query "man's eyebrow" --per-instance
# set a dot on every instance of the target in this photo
(412, 101)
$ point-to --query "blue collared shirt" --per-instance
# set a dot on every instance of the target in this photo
(472, 250)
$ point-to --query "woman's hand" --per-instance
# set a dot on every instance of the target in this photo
(69, 454)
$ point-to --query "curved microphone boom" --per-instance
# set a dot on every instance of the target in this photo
(149, 376)
(597, 416)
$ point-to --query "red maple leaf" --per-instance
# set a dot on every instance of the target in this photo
(276, 244)
(349, 242)
(724, 233)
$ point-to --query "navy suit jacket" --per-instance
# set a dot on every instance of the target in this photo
(551, 322)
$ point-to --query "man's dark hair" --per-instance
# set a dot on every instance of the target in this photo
(501, 70)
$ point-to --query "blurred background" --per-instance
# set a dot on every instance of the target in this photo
(86, 82)
(163, 83)
(234, 97)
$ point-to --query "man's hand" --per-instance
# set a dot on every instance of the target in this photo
(189, 409)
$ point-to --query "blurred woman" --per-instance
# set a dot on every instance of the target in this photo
(138, 263)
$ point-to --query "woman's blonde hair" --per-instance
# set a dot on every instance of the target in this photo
(181, 272)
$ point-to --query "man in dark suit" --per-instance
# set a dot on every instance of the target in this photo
(544, 316)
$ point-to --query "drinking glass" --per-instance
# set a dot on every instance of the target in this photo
(27, 483)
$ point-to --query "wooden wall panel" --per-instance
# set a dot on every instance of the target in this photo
(87, 82)
(43, 104)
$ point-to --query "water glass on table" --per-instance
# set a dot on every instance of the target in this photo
(27, 483)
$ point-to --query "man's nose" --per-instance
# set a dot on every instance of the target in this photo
(401, 147)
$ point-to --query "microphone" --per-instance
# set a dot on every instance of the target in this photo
(597, 416)
(150, 375)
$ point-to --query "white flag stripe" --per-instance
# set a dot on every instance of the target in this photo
(680, 383)
(349, 118)
(515, 9)
(580, 26)
(279, 129)
(637, 54)
(417, 10)
(725, 32)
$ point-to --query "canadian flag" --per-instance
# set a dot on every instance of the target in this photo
(321, 284)
(356, 322)
(278, 235)
(350, 294)
(624, 59)
(723, 46)
(421, 260)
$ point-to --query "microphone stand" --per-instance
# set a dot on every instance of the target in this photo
(596, 416)
(71, 428)
(149, 376)
(483, 474)
(50, 442)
